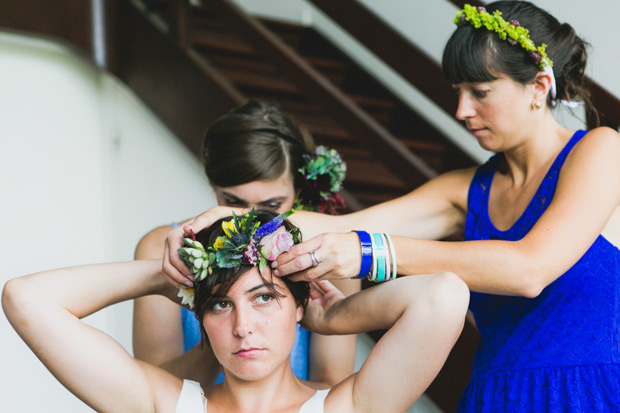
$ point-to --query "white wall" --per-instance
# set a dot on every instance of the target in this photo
(85, 171)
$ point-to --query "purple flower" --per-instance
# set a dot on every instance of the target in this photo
(515, 23)
(481, 9)
(274, 244)
(536, 56)
(462, 18)
(272, 225)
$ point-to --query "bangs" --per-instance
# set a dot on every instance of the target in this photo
(468, 57)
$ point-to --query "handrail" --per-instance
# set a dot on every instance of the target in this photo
(393, 48)
(394, 154)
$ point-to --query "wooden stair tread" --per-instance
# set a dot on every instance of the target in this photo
(259, 80)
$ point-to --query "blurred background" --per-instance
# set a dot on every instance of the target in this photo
(103, 104)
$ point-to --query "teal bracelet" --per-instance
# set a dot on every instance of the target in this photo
(373, 273)
(380, 252)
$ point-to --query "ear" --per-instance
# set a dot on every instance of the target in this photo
(541, 86)
(299, 313)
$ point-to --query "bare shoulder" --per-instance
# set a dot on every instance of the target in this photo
(455, 184)
(152, 244)
(600, 139)
(600, 146)
(340, 397)
(459, 177)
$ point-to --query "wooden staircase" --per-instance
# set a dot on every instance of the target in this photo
(370, 180)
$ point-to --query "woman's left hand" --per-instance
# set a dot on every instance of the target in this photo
(336, 256)
(323, 296)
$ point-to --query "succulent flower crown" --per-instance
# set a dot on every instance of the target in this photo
(511, 31)
(245, 241)
(318, 182)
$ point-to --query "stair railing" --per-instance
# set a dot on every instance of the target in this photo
(395, 155)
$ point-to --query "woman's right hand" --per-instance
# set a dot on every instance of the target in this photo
(339, 256)
(177, 272)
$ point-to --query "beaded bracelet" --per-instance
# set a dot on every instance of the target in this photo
(366, 245)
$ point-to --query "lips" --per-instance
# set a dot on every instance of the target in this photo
(476, 131)
(246, 353)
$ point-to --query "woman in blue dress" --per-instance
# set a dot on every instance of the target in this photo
(540, 219)
(254, 156)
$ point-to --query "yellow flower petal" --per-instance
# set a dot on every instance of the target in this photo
(229, 228)
(219, 243)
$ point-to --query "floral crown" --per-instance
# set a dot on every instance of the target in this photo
(245, 241)
(320, 179)
(511, 31)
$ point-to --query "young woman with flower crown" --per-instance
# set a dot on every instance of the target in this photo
(541, 221)
(248, 318)
(254, 156)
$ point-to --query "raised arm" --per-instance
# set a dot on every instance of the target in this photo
(332, 358)
(423, 315)
(584, 206)
(45, 309)
(158, 327)
(435, 210)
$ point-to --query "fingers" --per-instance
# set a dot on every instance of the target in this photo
(316, 291)
(298, 259)
(172, 265)
(207, 218)
(324, 286)
(337, 256)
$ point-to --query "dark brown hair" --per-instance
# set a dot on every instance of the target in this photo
(255, 142)
(206, 295)
(479, 55)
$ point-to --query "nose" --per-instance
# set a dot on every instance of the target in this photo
(243, 323)
(465, 108)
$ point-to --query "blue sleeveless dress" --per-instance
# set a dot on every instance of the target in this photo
(558, 352)
(299, 354)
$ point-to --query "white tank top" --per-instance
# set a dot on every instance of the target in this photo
(192, 400)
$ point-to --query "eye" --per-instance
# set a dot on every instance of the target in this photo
(480, 93)
(234, 203)
(221, 306)
(274, 205)
(264, 298)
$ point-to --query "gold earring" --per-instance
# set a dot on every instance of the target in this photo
(536, 105)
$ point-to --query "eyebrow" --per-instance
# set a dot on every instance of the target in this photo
(265, 201)
(258, 287)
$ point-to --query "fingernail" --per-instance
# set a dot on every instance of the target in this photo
(276, 273)
(274, 264)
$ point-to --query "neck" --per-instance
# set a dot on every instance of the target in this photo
(279, 391)
(537, 148)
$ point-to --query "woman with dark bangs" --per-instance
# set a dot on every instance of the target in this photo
(248, 319)
(541, 221)
(254, 156)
